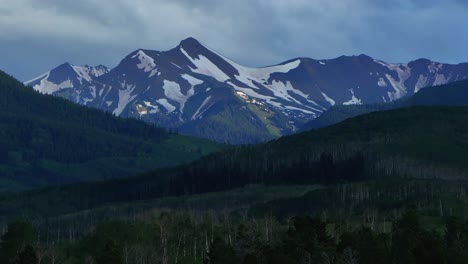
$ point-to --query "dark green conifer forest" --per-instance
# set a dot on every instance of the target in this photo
(46, 140)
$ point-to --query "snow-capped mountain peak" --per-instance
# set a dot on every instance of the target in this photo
(66, 76)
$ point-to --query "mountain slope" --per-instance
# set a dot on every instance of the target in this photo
(47, 140)
(194, 89)
(455, 93)
(372, 146)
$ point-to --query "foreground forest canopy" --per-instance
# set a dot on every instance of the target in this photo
(190, 238)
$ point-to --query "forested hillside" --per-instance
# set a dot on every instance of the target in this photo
(46, 140)
(373, 146)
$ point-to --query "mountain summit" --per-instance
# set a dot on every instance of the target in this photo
(190, 42)
(195, 90)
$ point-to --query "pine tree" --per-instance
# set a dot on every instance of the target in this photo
(13, 241)
(27, 256)
(221, 253)
(111, 254)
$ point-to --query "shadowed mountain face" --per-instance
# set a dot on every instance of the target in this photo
(197, 91)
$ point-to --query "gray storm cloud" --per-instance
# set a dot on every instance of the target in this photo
(36, 35)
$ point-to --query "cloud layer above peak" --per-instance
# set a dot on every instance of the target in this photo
(36, 35)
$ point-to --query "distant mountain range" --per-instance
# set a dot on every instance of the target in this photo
(454, 94)
(195, 90)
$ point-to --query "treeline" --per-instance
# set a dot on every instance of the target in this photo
(225, 239)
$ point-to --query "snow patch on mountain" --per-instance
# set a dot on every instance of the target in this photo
(440, 79)
(281, 90)
(434, 67)
(250, 92)
(266, 72)
(83, 73)
(92, 90)
(99, 70)
(88, 73)
(381, 63)
(170, 108)
(247, 75)
(192, 80)
(141, 109)
(261, 75)
(206, 67)
(284, 90)
(354, 100)
(421, 83)
(47, 87)
(176, 65)
(45, 75)
(173, 91)
(328, 99)
(404, 72)
(199, 111)
(147, 108)
(146, 63)
(382, 83)
(299, 109)
(125, 97)
(153, 108)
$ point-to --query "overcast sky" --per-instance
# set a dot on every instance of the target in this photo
(37, 35)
